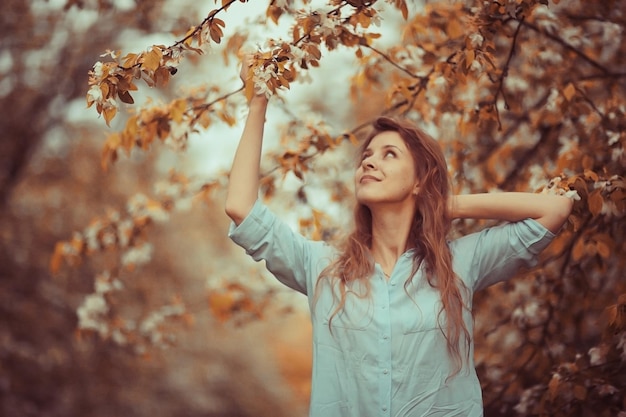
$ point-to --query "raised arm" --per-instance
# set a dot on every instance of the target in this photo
(243, 184)
(551, 211)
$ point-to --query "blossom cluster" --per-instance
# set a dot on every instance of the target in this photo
(92, 313)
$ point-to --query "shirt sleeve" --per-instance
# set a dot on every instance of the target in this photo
(497, 253)
(288, 255)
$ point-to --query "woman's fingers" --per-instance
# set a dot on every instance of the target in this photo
(246, 64)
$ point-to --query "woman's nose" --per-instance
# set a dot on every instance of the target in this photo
(368, 163)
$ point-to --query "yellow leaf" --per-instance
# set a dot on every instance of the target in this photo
(221, 304)
(152, 59)
(109, 113)
(188, 36)
(178, 109)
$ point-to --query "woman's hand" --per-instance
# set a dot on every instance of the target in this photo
(246, 74)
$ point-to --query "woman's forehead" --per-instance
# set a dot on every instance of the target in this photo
(387, 138)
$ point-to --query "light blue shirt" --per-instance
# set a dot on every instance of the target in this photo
(386, 355)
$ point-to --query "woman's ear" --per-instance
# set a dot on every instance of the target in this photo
(416, 188)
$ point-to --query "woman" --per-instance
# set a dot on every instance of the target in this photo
(391, 309)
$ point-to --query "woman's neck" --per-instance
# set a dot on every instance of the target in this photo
(390, 233)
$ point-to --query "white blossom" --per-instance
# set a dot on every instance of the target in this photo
(546, 19)
(613, 137)
(97, 69)
(183, 204)
(606, 390)
(91, 235)
(617, 154)
(110, 53)
(68, 249)
(529, 315)
(528, 399)
(138, 206)
(124, 232)
(573, 36)
(150, 327)
(91, 314)
(568, 144)
(573, 194)
(376, 20)
(476, 40)
(138, 255)
(298, 53)
(476, 67)
(329, 25)
(168, 189)
(94, 94)
(548, 56)
(177, 138)
(597, 356)
(516, 84)
(553, 100)
(118, 337)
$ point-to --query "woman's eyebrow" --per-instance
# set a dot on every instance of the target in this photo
(368, 149)
(392, 146)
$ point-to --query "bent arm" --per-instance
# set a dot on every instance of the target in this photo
(550, 211)
(243, 184)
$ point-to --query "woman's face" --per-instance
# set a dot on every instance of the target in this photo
(386, 173)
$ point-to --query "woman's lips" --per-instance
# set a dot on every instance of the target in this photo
(368, 178)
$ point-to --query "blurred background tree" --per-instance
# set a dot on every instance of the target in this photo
(120, 293)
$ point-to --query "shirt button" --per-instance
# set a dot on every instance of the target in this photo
(385, 337)
(386, 371)
(384, 408)
(384, 307)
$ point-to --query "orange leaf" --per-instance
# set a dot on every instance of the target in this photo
(569, 91)
(469, 58)
(57, 258)
(578, 251)
(595, 202)
(125, 96)
(580, 392)
(455, 29)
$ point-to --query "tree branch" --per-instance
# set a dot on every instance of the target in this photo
(569, 47)
(505, 73)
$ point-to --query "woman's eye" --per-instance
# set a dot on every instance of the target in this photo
(392, 153)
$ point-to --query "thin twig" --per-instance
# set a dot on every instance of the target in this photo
(505, 73)
(392, 62)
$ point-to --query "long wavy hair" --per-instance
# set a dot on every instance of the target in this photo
(428, 236)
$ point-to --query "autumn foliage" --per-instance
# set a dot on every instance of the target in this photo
(523, 95)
